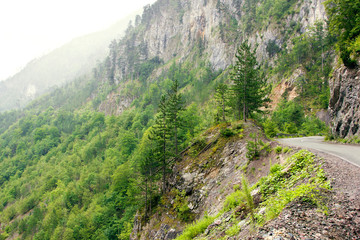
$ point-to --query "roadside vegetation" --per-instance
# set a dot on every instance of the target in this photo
(68, 171)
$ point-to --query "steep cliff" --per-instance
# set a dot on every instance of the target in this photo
(345, 102)
(171, 29)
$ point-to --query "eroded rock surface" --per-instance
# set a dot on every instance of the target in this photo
(345, 102)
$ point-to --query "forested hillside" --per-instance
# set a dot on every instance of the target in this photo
(72, 60)
(80, 162)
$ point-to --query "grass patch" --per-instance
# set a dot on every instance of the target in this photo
(280, 187)
(233, 230)
(197, 228)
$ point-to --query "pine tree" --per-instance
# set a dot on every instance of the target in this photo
(222, 99)
(249, 84)
(161, 136)
(175, 106)
(148, 168)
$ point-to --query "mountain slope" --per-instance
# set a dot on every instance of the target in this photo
(79, 168)
(62, 65)
(172, 29)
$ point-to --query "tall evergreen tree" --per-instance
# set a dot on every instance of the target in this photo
(148, 168)
(161, 136)
(249, 84)
(222, 99)
(175, 106)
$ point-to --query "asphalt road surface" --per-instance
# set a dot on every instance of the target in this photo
(348, 153)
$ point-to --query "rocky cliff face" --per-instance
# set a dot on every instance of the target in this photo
(345, 102)
(172, 29)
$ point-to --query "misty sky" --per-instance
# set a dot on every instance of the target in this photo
(30, 28)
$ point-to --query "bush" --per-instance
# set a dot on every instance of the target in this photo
(253, 151)
(270, 128)
(227, 132)
(286, 149)
(313, 126)
(278, 149)
(233, 200)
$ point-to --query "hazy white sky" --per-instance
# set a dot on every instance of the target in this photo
(30, 28)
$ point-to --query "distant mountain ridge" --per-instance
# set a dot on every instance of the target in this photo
(61, 65)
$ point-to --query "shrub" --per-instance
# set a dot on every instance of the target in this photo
(278, 149)
(286, 149)
(227, 132)
(270, 128)
(252, 150)
(233, 200)
(181, 206)
(232, 231)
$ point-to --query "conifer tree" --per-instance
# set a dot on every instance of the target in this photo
(167, 124)
(249, 84)
(161, 136)
(175, 106)
(222, 99)
(148, 169)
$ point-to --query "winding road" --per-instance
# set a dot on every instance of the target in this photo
(349, 153)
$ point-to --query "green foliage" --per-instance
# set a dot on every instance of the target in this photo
(193, 230)
(272, 48)
(222, 97)
(288, 112)
(227, 132)
(281, 185)
(253, 150)
(181, 206)
(249, 84)
(233, 230)
(145, 69)
(67, 172)
(289, 117)
(198, 145)
(91, 156)
(233, 200)
(270, 128)
(248, 198)
(313, 126)
(311, 53)
(286, 149)
(278, 149)
(345, 28)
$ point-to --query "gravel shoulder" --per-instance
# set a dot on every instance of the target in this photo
(301, 221)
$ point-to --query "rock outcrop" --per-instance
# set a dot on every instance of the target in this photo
(345, 102)
(179, 29)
